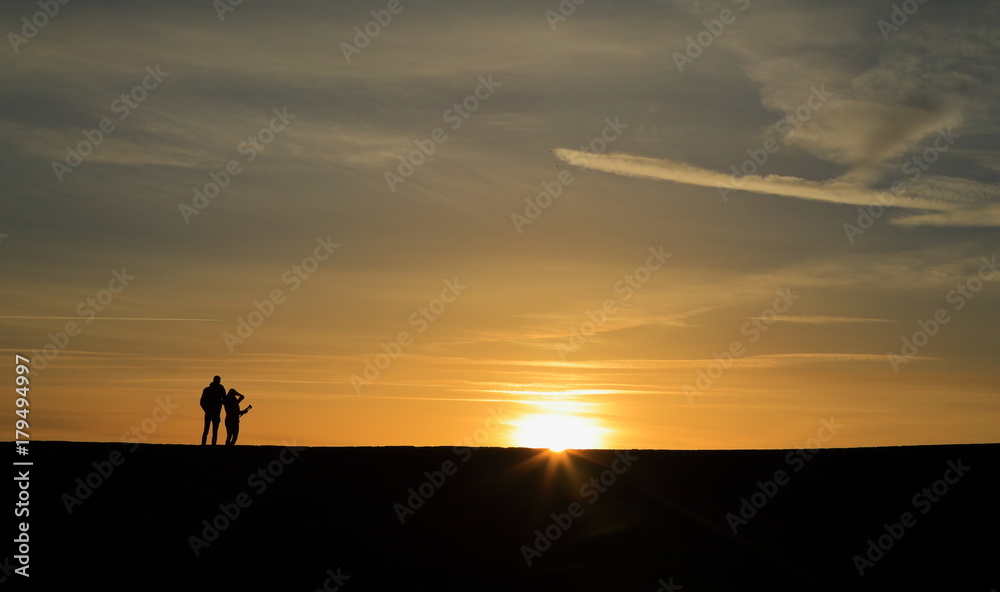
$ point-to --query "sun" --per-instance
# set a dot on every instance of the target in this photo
(558, 432)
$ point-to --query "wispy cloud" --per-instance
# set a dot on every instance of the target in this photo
(987, 215)
(825, 320)
(110, 319)
(761, 361)
(834, 190)
(927, 80)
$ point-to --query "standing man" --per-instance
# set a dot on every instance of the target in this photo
(211, 404)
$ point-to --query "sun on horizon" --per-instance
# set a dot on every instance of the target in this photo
(558, 432)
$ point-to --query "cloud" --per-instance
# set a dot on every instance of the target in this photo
(928, 76)
(110, 318)
(661, 169)
(988, 215)
(928, 79)
(954, 201)
(757, 361)
(826, 320)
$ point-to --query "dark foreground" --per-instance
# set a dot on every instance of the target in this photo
(328, 517)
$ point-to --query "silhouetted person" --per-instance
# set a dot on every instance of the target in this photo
(232, 402)
(211, 404)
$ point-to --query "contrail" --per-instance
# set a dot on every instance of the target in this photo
(662, 169)
(112, 319)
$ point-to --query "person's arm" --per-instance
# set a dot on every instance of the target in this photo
(239, 397)
(244, 412)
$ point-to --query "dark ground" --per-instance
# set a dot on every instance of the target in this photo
(664, 518)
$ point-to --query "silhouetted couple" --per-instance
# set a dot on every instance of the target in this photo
(213, 399)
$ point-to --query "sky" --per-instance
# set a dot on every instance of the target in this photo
(660, 224)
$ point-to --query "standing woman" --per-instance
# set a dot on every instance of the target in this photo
(231, 402)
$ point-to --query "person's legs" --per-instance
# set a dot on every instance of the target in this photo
(230, 433)
(236, 432)
(204, 433)
(215, 430)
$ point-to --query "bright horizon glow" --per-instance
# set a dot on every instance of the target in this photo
(558, 432)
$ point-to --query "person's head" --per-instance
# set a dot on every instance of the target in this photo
(216, 380)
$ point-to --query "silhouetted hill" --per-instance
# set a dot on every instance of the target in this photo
(661, 520)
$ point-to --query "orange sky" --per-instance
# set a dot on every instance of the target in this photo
(523, 222)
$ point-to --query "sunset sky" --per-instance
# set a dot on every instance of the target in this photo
(659, 224)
